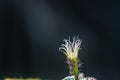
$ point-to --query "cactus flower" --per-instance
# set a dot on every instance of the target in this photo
(70, 49)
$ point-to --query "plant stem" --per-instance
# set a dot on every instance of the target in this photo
(75, 69)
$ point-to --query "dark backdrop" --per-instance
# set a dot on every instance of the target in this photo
(31, 32)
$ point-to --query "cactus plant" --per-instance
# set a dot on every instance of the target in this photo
(70, 49)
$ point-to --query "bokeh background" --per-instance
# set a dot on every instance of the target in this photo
(31, 31)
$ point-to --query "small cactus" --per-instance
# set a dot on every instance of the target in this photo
(70, 49)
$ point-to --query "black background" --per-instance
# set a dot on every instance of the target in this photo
(31, 31)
